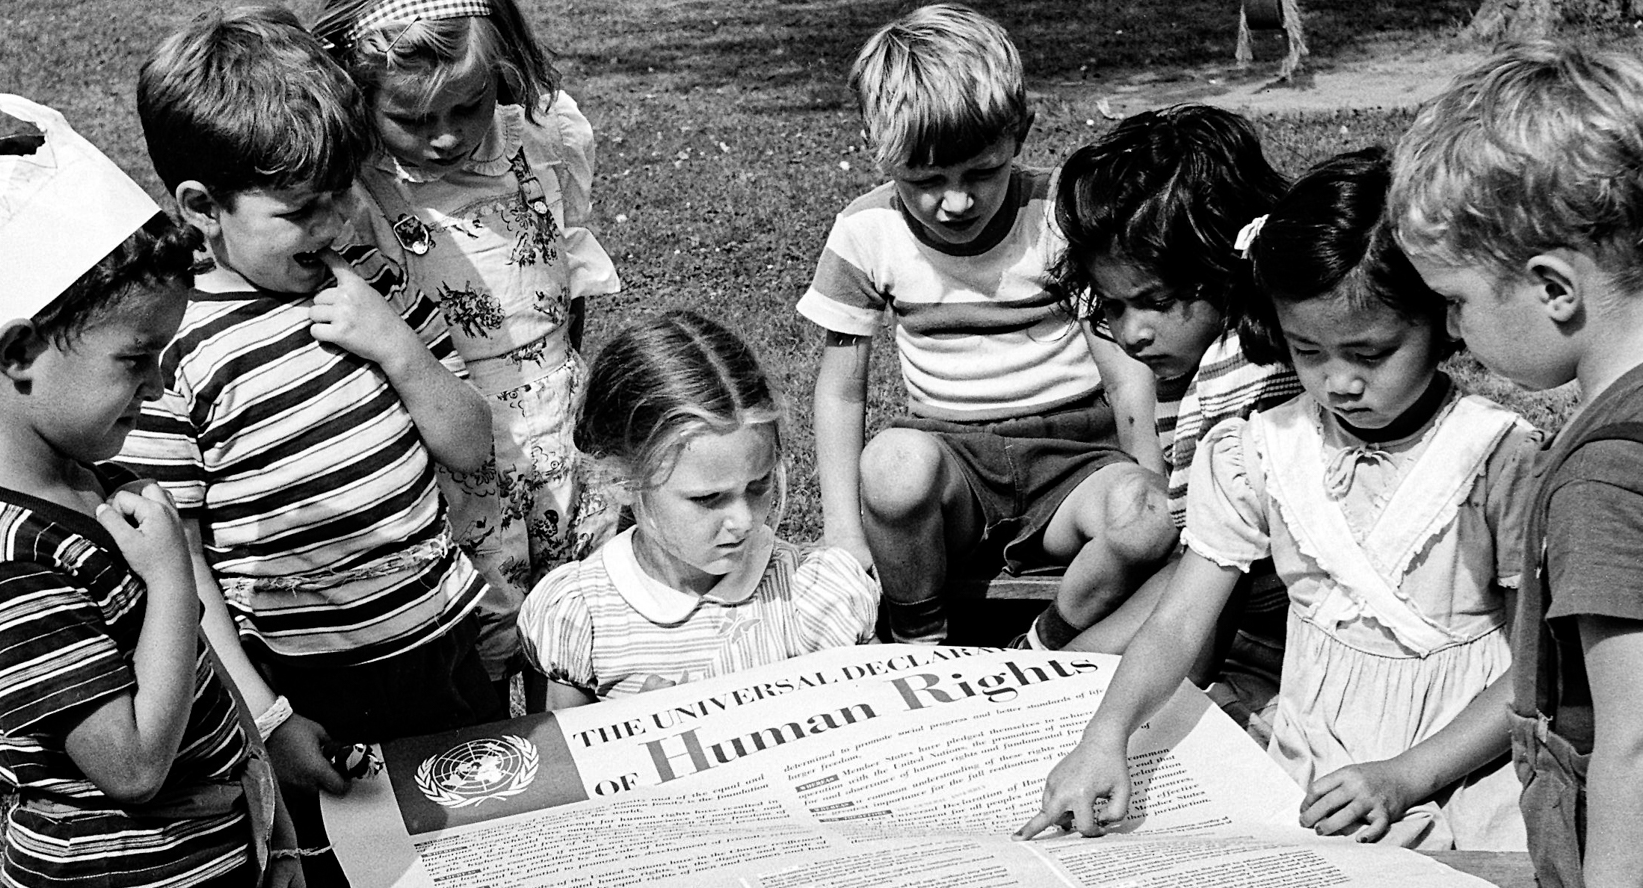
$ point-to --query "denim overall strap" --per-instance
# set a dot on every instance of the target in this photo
(1552, 771)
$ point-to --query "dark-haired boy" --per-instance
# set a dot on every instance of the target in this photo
(304, 411)
(116, 729)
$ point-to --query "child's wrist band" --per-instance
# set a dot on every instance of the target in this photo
(297, 853)
(274, 716)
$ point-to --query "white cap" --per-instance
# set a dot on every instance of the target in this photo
(62, 209)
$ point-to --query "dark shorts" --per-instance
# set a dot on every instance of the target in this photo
(1020, 471)
(433, 687)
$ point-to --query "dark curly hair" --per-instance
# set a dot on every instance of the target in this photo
(1168, 190)
(159, 254)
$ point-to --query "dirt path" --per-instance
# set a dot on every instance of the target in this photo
(1388, 74)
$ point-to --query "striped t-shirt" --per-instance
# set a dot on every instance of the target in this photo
(1227, 384)
(602, 624)
(70, 614)
(978, 335)
(300, 462)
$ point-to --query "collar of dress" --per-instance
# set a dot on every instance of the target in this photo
(665, 605)
(502, 141)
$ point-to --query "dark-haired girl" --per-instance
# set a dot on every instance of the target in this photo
(1151, 212)
(1389, 504)
(684, 418)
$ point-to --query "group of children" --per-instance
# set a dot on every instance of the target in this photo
(362, 472)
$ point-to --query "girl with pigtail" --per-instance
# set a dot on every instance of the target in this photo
(700, 585)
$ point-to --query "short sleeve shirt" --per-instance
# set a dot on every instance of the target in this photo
(586, 624)
(71, 611)
(979, 336)
(299, 458)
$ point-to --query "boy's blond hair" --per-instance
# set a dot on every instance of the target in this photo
(1536, 148)
(246, 99)
(938, 86)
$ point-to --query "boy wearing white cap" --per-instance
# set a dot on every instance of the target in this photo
(116, 729)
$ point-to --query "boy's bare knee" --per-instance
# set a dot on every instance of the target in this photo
(1138, 526)
(901, 473)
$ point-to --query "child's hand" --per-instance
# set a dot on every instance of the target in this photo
(145, 526)
(353, 316)
(656, 683)
(1092, 774)
(297, 749)
(284, 872)
(1372, 795)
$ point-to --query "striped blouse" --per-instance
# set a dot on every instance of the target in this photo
(313, 489)
(1227, 384)
(603, 625)
(70, 614)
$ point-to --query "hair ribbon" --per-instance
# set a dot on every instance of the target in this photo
(407, 12)
(1247, 235)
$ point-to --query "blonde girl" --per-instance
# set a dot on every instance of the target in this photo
(700, 585)
(483, 189)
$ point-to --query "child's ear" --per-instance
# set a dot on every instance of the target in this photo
(20, 345)
(1560, 284)
(198, 208)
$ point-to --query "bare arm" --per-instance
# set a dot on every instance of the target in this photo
(1132, 392)
(841, 431)
(1613, 649)
(1152, 668)
(296, 747)
(127, 744)
(451, 416)
(576, 321)
(220, 629)
(564, 696)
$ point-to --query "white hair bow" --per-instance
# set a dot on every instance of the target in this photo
(1247, 234)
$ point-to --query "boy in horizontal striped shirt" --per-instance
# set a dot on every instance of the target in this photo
(306, 403)
(126, 749)
(1008, 454)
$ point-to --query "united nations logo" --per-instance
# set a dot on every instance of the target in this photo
(478, 770)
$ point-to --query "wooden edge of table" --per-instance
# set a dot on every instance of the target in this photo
(1507, 869)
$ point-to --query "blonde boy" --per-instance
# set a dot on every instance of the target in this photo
(1517, 196)
(1007, 451)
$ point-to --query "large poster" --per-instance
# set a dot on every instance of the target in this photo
(876, 765)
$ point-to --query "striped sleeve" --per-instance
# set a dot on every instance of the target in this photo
(835, 599)
(387, 277)
(842, 296)
(165, 446)
(556, 629)
(55, 655)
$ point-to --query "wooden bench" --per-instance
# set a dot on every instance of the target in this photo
(1004, 587)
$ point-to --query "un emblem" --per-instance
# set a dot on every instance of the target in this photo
(478, 770)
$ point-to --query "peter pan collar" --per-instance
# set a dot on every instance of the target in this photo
(665, 605)
(491, 158)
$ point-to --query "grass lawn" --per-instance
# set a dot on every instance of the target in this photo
(728, 140)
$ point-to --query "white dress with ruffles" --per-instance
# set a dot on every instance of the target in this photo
(1394, 555)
